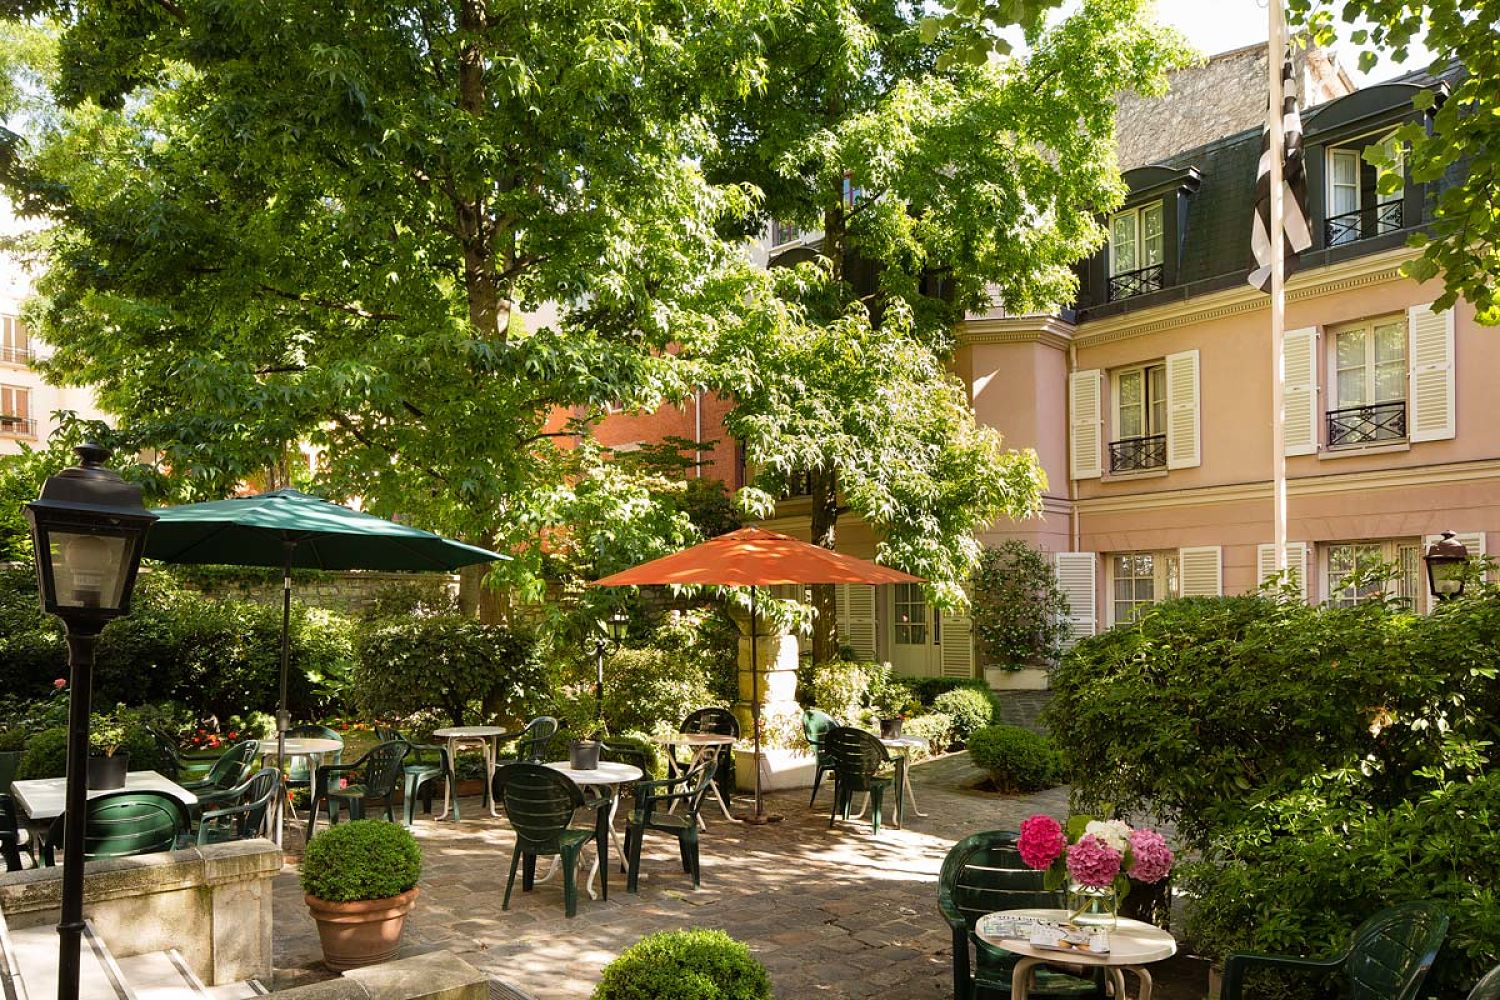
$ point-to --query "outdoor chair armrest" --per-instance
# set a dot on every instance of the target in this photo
(672, 797)
(1236, 965)
(325, 771)
(646, 784)
(417, 750)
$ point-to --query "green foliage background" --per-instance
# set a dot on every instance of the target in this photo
(685, 965)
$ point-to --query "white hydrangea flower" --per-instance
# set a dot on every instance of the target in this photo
(1114, 832)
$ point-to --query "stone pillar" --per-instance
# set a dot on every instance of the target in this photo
(776, 658)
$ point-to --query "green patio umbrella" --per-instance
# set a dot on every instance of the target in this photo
(290, 529)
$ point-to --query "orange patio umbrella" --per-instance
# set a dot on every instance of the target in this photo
(754, 558)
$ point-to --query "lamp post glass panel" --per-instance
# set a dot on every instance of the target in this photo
(1447, 563)
(88, 529)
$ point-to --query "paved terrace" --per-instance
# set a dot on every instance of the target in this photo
(832, 913)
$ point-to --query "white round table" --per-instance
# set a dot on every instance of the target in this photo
(609, 776)
(483, 738)
(311, 747)
(905, 745)
(704, 746)
(1133, 944)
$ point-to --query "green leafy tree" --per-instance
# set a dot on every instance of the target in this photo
(1462, 142)
(942, 185)
(285, 222)
(1019, 612)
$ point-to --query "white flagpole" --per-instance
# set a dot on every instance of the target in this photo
(1276, 49)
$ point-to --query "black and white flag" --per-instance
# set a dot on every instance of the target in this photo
(1295, 228)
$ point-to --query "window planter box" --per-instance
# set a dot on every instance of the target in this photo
(1028, 679)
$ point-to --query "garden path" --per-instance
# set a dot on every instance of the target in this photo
(832, 913)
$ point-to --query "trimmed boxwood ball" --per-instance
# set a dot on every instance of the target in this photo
(685, 965)
(969, 709)
(1016, 759)
(362, 859)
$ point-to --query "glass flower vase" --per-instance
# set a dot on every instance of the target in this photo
(1093, 908)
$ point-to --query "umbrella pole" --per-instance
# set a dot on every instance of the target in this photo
(759, 815)
(283, 717)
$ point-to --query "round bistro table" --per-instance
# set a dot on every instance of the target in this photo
(484, 738)
(704, 746)
(906, 744)
(311, 747)
(607, 777)
(1133, 945)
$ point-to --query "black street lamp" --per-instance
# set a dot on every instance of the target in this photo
(606, 639)
(88, 529)
(1447, 562)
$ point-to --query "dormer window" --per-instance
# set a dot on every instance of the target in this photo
(1136, 251)
(1358, 208)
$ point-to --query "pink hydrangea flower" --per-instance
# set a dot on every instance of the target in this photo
(1041, 841)
(1093, 863)
(59, 684)
(1151, 858)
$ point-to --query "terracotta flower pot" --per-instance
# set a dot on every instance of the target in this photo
(363, 932)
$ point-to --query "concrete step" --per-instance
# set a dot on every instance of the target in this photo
(237, 991)
(35, 953)
(160, 975)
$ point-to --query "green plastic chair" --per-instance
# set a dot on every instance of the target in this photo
(814, 725)
(240, 812)
(185, 765)
(540, 803)
(123, 824)
(859, 765)
(10, 825)
(1388, 958)
(722, 722)
(376, 775)
(984, 873)
(229, 771)
(1487, 988)
(689, 789)
(424, 766)
(299, 769)
(534, 741)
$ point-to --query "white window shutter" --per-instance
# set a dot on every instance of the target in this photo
(957, 646)
(1296, 561)
(1300, 392)
(1085, 403)
(1430, 400)
(1182, 410)
(856, 618)
(1075, 578)
(1201, 571)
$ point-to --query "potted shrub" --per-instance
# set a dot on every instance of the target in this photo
(894, 704)
(707, 965)
(583, 752)
(107, 763)
(360, 880)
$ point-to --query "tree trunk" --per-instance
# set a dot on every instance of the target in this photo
(825, 517)
(489, 308)
(475, 600)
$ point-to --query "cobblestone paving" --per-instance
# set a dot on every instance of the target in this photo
(832, 913)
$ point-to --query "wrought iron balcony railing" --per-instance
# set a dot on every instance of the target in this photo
(1137, 282)
(1362, 224)
(1367, 424)
(14, 426)
(1138, 454)
(16, 355)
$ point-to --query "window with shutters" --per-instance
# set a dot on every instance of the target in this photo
(15, 341)
(1140, 579)
(15, 412)
(1140, 414)
(1136, 251)
(1363, 571)
(1369, 383)
(1363, 200)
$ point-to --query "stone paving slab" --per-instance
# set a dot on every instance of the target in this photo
(833, 913)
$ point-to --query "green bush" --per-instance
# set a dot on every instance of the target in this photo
(929, 689)
(363, 859)
(458, 666)
(970, 711)
(1019, 611)
(650, 690)
(934, 727)
(32, 651)
(45, 755)
(1016, 759)
(685, 965)
(842, 688)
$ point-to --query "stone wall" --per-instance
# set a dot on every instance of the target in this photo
(351, 593)
(211, 903)
(1221, 97)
